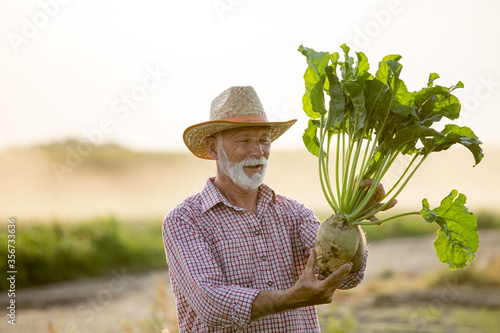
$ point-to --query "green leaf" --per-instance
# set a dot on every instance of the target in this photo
(406, 139)
(436, 102)
(376, 98)
(363, 66)
(457, 239)
(336, 109)
(335, 60)
(426, 212)
(402, 96)
(395, 67)
(453, 134)
(383, 73)
(346, 68)
(459, 84)
(356, 94)
(310, 138)
(313, 101)
(449, 107)
(432, 78)
(384, 70)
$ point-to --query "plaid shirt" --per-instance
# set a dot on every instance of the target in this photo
(220, 256)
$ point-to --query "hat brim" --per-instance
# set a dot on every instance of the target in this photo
(194, 136)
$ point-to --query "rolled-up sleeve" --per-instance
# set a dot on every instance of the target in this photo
(199, 277)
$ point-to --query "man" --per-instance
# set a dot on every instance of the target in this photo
(236, 250)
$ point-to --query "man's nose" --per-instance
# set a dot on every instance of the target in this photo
(256, 149)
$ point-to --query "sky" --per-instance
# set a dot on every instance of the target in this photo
(137, 73)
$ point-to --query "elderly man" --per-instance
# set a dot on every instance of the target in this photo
(237, 250)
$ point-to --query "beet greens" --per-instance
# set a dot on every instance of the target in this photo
(373, 119)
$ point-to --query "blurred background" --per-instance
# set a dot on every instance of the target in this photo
(95, 96)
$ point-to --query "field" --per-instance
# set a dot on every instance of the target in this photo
(84, 220)
(47, 183)
(409, 292)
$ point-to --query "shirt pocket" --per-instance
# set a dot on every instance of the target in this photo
(236, 261)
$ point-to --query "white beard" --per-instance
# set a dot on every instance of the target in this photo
(234, 170)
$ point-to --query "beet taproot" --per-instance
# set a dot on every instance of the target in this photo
(336, 244)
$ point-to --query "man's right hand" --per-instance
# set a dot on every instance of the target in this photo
(309, 290)
(312, 289)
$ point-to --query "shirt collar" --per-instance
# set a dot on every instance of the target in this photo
(211, 196)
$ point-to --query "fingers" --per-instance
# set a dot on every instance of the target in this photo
(311, 261)
(391, 204)
(379, 190)
(336, 278)
(377, 196)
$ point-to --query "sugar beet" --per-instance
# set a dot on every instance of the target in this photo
(336, 244)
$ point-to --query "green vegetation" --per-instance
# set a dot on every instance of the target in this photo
(47, 253)
(336, 320)
(373, 119)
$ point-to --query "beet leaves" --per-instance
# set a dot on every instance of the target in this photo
(373, 119)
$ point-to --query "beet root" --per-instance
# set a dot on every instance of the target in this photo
(336, 243)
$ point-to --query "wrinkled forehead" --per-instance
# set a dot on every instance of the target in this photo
(247, 131)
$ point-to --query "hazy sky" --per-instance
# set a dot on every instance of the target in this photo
(139, 72)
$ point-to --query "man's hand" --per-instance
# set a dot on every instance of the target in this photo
(377, 195)
(311, 289)
(308, 290)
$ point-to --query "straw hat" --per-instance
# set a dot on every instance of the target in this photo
(235, 107)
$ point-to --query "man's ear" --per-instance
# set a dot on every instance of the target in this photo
(211, 145)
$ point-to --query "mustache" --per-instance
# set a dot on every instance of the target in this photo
(253, 161)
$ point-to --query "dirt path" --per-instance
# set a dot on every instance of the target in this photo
(103, 304)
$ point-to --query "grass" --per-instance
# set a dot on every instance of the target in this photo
(57, 251)
(439, 313)
(163, 315)
(414, 319)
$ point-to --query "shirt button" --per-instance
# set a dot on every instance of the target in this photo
(270, 283)
(256, 232)
(263, 257)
